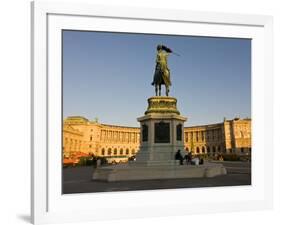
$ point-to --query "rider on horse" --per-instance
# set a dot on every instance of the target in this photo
(162, 72)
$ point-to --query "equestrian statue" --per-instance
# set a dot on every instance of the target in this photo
(162, 72)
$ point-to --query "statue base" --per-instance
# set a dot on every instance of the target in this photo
(162, 132)
(136, 171)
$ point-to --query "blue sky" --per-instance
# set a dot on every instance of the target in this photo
(108, 76)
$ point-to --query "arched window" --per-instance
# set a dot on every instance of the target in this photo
(197, 150)
(115, 151)
(214, 149)
(103, 151)
(208, 149)
(109, 151)
(203, 149)
(133, 151)
(121, 151)
(127, 151)
(187, 149)
(241, 134)
(91, 138)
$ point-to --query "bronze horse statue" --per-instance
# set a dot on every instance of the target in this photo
(162, 72)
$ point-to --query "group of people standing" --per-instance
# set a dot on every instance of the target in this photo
(188, 158)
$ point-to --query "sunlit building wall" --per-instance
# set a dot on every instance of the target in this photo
(118, 143)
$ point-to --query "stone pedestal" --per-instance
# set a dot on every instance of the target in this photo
(162, 135)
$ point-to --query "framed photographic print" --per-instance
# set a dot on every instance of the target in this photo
(137, 109)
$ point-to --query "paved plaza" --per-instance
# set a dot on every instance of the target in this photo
(78, 180)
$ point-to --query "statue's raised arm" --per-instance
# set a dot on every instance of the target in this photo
(162, 71)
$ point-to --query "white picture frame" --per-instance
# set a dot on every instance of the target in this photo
(48, 205)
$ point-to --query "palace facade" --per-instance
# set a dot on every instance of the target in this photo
(228, 137)
(118, 143)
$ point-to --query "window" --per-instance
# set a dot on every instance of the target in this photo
(90, 146)
(203, 149)
(241, 134)
(91, 138)
(109, 151)
(121, 151)
(197, 150)
(102, 151)
(208, 149)
(219, 148)
(133, 152)
(242, 150)
(214, 149)
(127, 151)
(115, 151)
